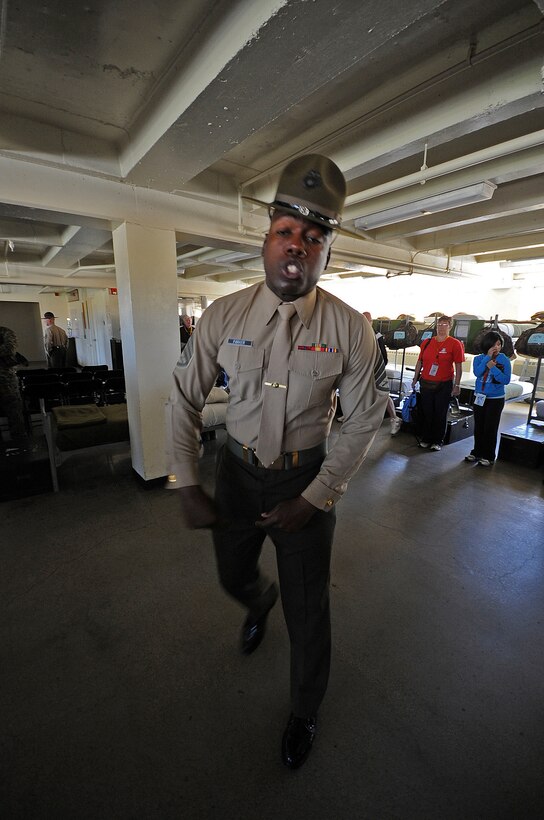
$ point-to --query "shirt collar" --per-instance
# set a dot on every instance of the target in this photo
(304, 305)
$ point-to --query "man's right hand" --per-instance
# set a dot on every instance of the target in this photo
(197, 508)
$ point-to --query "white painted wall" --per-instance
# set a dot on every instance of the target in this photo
(31, 342)
(57, 304)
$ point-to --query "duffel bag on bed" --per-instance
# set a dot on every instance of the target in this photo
(405, 335)
(531, 342)
(507, 343)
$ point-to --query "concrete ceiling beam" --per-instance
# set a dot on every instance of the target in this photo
(295, 43)
(479, 97)
(90, 198)
(58, 146)
(493, 229)
(21, 275)
(513, 256)
(238, 276)
(529, 240)
(240, 26)
(512, 199)
(83, 242)
(519, 157)
(30, 233)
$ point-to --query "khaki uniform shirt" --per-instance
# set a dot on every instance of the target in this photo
(54, 337)
(333, 346)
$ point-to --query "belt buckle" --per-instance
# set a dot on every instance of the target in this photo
(278, 463)
(248, 455)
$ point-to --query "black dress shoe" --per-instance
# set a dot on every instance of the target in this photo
(254, 628)
(297, 741)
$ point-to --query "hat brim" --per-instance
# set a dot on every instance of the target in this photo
(324, 222)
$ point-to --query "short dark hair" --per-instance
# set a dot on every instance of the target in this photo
(490, 338)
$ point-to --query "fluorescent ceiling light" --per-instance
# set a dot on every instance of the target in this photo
(94, 267)
(360, 268)
(528, 263)
(431, 204)
(365, 274)
(233, 256)
(212, 256)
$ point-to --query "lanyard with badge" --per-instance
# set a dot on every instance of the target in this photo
(433, 370)
(479, 398)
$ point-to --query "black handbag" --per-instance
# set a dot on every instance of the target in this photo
(428, 385)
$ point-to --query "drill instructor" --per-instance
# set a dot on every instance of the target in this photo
(286, 346)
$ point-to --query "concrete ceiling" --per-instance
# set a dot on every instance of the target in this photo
(164, 113)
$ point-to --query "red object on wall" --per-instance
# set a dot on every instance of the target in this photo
(113, 291)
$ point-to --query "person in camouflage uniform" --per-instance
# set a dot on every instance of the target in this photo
(11, 404)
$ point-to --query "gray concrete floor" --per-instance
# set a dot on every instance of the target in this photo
(124, 695)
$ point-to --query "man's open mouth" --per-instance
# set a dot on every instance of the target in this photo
(292, 270)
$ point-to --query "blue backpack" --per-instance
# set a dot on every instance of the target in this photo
(409, 406)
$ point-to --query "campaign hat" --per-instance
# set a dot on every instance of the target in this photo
(311, 186)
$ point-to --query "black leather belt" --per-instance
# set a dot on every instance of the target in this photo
(286, 461)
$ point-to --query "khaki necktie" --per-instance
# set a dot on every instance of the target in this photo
(275, 390)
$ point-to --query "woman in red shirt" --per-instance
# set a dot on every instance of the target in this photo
(437, 382)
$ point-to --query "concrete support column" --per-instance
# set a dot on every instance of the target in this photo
(145, 262)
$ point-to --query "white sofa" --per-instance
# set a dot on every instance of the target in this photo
(517, 390)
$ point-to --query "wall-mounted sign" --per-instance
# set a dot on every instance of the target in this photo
(75, 322)
(112, 291)
(73, 295)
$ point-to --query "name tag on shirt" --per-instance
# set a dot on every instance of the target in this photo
(479, 399)
(434, 370)
(243, 342)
